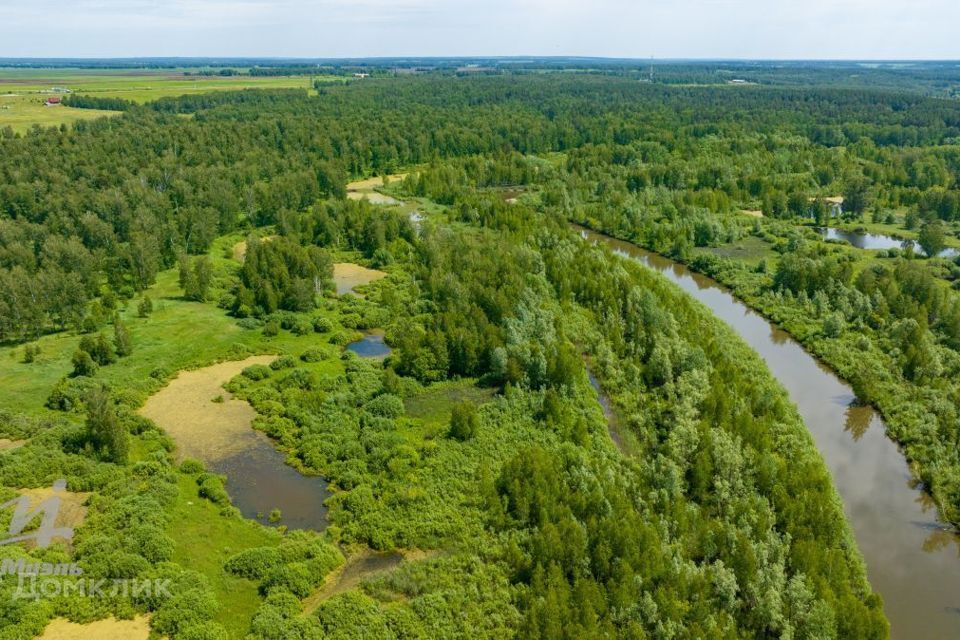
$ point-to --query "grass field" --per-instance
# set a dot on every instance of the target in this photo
(23, 91)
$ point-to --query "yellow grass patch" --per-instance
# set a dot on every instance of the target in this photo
(204, 429)
(367, 189)
(240, 249)
(72, 510)
(108, 629)
(8, 445)
(347, 276)
(752, 212)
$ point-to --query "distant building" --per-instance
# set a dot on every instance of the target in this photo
(361, 75)
(53, 101)
(61, 90)
(834, 206)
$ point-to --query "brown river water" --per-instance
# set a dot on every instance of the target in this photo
(913, 561)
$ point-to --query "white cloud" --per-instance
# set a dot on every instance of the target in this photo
(330, 28)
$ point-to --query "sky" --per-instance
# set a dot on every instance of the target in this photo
(749, 29)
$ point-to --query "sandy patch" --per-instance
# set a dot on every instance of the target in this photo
(347, 276)
(366, 190)
(374, 183)
(9, 445)
(203, 429)
(109, 629)
(240, 249)
(752, 212)
(72, 512)
(373, 197)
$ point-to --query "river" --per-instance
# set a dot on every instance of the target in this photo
(912, 560)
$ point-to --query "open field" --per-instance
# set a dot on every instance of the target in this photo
(107, 629)
(21, 111)
(24, 91)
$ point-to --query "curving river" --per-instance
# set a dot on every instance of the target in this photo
(912, 560)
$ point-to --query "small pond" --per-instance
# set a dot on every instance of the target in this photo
(370, 346)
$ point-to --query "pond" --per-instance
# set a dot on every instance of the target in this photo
(912, 559)
(873, 240)
(209, 425)
(370, 346)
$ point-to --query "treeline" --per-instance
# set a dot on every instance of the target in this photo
(142, 189)
(80, 101)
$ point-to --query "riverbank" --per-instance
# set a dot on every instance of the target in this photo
(910, 560)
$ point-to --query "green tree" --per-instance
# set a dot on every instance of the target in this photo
(932, 238)
(83, 365)
(121, 339)
(464, 421)
(105, 432)
(857, 197)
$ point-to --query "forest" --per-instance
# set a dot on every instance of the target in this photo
(700, 509)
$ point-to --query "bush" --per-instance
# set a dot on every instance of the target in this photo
(322, 324)
(69, 393)
(386, 406)
(314, 355)
(145, 308)
(283, 362)
(253, 563)
(84, 365)
(464, 421)
(302, 327)
(211, 488)
(249, 324)
(190, 466)
(271, 328)
(257, 372)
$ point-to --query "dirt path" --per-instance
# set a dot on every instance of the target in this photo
(204, 429)
(359, 567)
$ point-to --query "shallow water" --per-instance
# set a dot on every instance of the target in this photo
(873, 240)
(912, 560)
(370, 346)
(220, 435)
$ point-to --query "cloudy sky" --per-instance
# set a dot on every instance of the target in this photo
(874, 29)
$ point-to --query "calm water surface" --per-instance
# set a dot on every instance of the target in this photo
(912, 560)
(873, 240)
(370, 346)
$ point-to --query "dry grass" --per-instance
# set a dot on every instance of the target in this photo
(348, 275)
(108, 629)
(204, 429)
(755, 213)
(8, 445)
(240, 249)
(374, 183)
(367, 190)
(72, 510)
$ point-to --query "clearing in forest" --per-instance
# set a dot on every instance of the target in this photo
(72, 510)
(107, 629)
(367, 189)
(347, 276)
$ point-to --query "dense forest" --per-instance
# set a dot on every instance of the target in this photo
(715, 517)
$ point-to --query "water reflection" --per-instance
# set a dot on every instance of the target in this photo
(914, 568)
(873, 240)
(370, 346)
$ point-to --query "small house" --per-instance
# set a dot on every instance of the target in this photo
(834, 206)
(53, 101)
